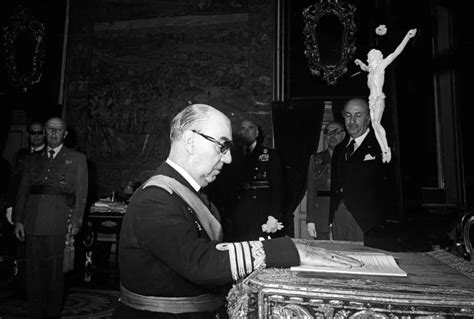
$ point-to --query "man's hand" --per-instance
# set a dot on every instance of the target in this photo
(19, 231)
(315, 256)
(312, 230)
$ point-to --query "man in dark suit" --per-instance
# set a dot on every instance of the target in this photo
(358, 177)
(172, 262)
(51, 198)
(36, 143)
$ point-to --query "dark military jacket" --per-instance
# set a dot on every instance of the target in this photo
(256, 192)
(164, 250)
(47, 214)
(318, 194)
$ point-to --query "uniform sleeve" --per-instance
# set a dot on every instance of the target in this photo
(81, 182)
(166, 228)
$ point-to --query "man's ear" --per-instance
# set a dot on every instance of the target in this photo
(65, 134)
(189, 141)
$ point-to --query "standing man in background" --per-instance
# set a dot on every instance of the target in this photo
(319, 183)
(358, 177)
(36, 144)
(51, 197)
(257, 187)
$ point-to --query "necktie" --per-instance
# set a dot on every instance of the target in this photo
(350, 149)
(51, 155)
(247, 151)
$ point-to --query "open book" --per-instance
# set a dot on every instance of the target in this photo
(378, 264)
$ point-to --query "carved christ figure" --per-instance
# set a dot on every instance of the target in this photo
(375, 80)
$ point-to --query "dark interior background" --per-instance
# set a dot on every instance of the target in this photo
(131, 65)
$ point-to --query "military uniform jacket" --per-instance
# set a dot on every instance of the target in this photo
(164, 251)
(47, 214)
(257, 191)
(360, 182)
(318, 186)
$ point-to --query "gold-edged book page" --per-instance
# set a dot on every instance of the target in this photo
(377, 264)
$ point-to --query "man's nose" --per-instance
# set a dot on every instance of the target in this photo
(227, 158)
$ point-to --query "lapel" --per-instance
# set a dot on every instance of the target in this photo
(367, 147)
(61, 154)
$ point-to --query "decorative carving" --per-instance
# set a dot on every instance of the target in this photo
(290, 311)
(22, 23)
(369, 314)
(345, 13)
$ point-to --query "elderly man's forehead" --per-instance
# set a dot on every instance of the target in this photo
(248, 124)
(56, 123)
(334, 126)
(356, 106)
(34, 126)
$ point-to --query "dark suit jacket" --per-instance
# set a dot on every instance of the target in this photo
(47, 214)
(164, 250)
(360, 182)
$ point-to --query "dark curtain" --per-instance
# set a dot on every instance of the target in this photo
(40, 101)
(296, 126)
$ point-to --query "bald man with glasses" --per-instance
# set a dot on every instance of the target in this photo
(173, 263)
(358, 178)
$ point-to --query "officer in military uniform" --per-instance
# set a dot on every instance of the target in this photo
(257, 187)
(51, 195)
(319, 183)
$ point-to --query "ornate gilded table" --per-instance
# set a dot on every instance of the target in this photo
(438, 285)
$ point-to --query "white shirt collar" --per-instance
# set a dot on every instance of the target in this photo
(56, 150)
(360, 139)
(185, 174)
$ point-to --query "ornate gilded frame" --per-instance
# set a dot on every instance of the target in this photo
(22, 21)
(345, 12)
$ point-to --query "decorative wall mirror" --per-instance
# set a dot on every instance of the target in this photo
(329, 33)
(23, 49)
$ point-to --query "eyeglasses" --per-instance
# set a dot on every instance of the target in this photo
(36, 133)
(333, 132)
(223, 147)
(53, 129)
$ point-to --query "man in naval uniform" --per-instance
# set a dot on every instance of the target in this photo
(256, 186)
(172, 261)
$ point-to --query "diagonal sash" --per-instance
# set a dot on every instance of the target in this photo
(210, 224)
